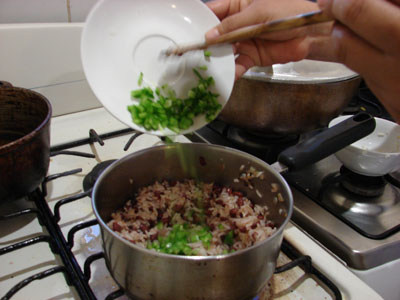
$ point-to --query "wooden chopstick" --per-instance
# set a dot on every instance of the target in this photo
(254, 31)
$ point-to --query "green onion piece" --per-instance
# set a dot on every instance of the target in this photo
(161, 108)
(207, 53)
(203, 68)
(140, 79)
(229, 238)
(176, 242)
(168, 140)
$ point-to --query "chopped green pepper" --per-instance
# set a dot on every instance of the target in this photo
(140, 79)
(162, 109)
(229, 238)
(176, 242)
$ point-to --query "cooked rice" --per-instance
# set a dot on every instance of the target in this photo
(220, 208)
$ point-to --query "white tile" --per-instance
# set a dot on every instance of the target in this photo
(80, 9)
(37, 55)
(27, 11)
(70, 97)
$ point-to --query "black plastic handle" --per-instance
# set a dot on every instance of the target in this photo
(328, 141)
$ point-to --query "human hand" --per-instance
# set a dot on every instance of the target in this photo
(367, 40)
(268, 49)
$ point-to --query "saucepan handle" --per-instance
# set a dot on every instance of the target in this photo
(328, 141)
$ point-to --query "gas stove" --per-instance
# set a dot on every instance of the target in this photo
(354, 216)
(52, 235)
(50, 244)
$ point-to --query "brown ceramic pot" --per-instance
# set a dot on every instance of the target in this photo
(24, 140)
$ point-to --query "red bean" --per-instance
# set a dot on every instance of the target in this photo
(165, 220)
(153, 237)
(117, 227)
(220, 202)
(178, 207)
(233, 212)
(270, 224)
(243, 229)
(143, 227)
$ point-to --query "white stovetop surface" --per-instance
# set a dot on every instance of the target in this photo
(22, 263)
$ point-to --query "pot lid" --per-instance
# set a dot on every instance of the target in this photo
(304, 71)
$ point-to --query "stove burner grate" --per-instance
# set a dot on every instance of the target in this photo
(263, 145)
(362, 202)
(79, 278)
(362, 185)
(69, 266)
(90, 179)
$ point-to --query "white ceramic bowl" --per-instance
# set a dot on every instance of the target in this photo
(123, 38)
(376, 154)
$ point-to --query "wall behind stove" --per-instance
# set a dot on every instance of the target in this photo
(40, 11)
(40, 50)
(45, 57)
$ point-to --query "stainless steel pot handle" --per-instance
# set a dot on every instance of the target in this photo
(327, 142)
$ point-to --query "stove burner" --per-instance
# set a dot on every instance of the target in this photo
(362, 185)
(370, 205)
(266, 146)
(91, 177)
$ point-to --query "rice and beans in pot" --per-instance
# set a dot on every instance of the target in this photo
(192, 218)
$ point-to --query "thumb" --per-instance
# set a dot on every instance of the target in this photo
(212, 34)
(230, 23)
(226, 25)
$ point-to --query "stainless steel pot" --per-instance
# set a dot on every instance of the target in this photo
(145, 274)
(290, 98)
(149, 275)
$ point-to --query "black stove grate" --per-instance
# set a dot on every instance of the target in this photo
(62, 246)
(57, 244)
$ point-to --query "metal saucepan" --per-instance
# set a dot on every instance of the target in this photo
(145, 274)
(291, 98)
(24, 140)
(376, 154)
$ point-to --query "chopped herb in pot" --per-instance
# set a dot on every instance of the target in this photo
(177, 240)
(161, 108)
(207, 53)
(229, 238)
(168, 140)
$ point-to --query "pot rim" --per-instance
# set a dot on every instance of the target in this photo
(260, 77)
(275, 235)
(36, 131)
(305, 71)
